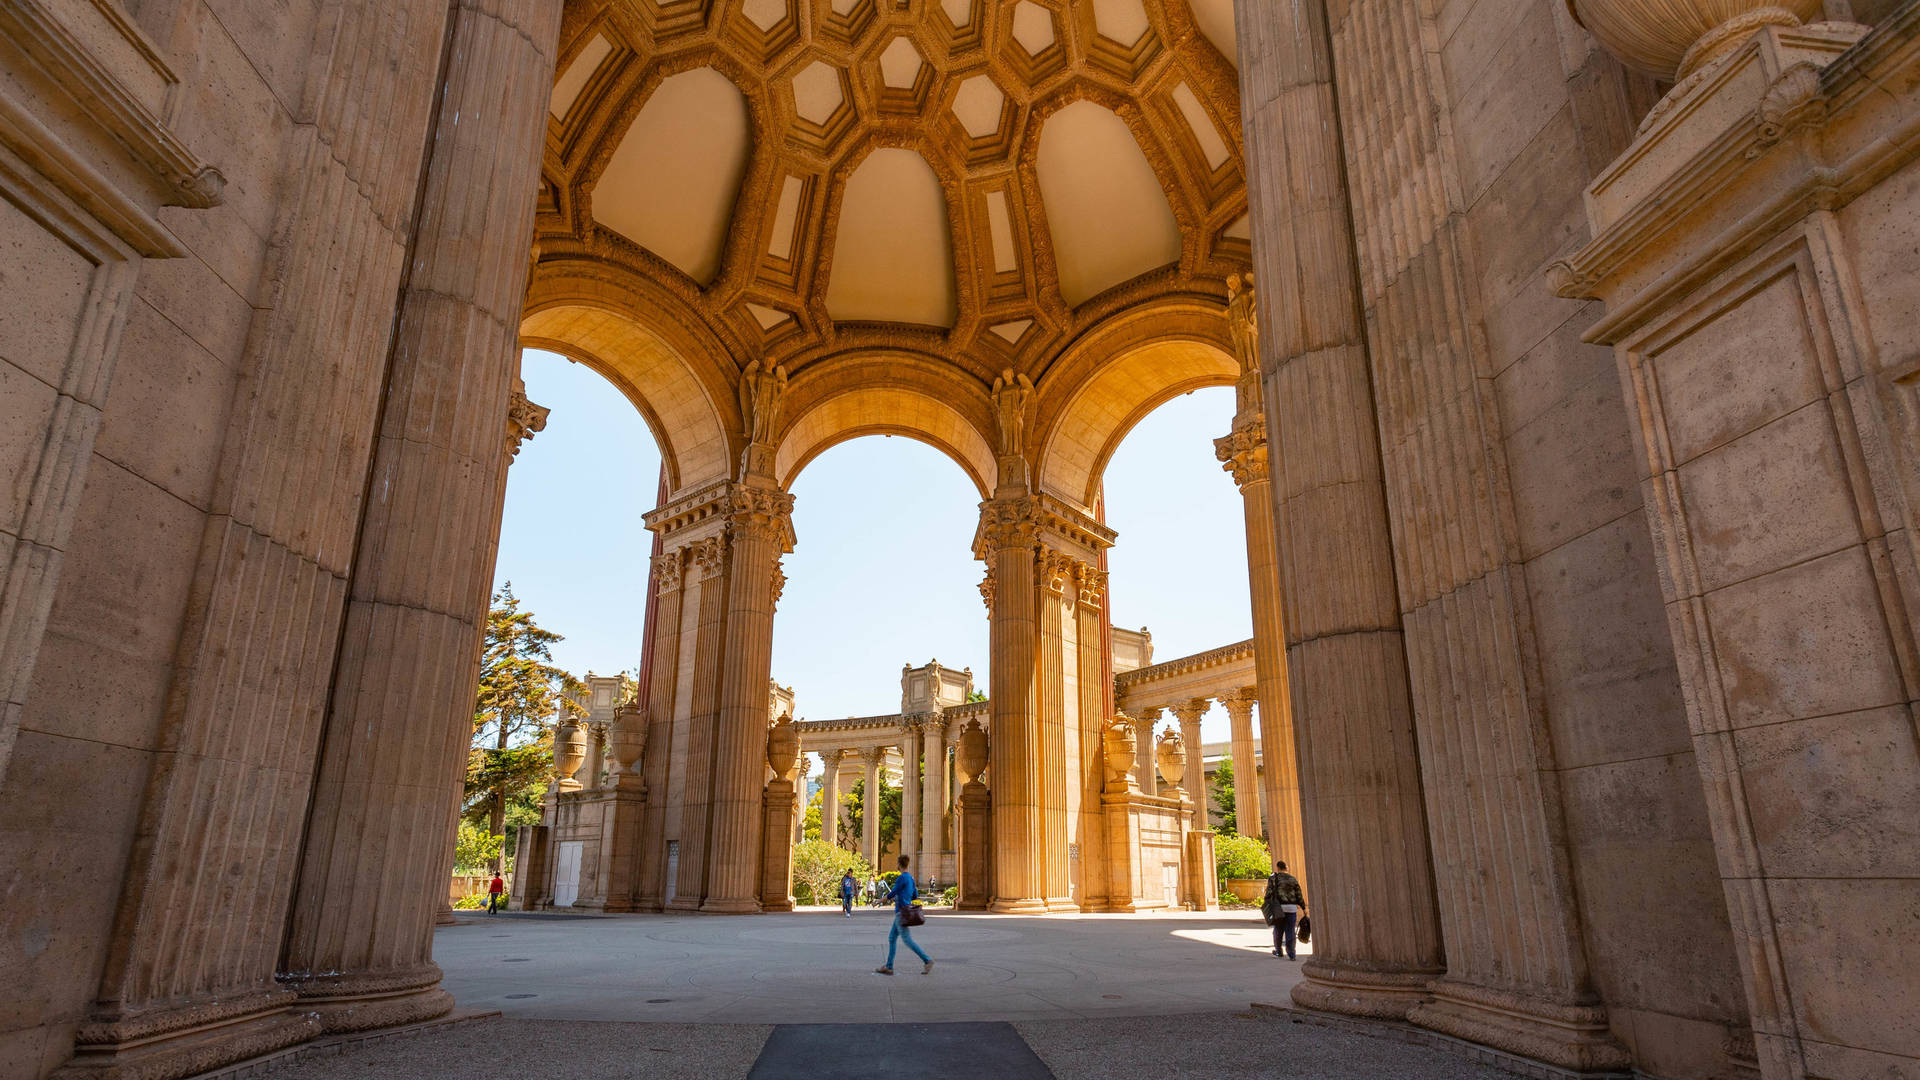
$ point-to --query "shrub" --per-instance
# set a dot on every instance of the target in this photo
(951, 896)
(817, 866)
(1241, 857)
(1228, 900)
(475, 902)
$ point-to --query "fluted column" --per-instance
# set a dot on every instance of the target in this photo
(870, 807)
(1143, 755)
(359, 941)
(1189, 715)
(910, 791)
(1378, 943)
(830, 795)
(933, 793)
(1055, 611)
(759, 526)
(1246, 769)
(1243, 453)
(800, 818)
(1008, 537)
(669, 596)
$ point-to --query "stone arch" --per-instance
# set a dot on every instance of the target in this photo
(675, 374)
(1116, 374)
(885, 393)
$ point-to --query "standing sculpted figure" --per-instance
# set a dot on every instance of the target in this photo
(1241, 323)
(760, 394)
(1010, 394)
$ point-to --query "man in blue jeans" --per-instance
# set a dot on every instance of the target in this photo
(847, 888)
(902, 894)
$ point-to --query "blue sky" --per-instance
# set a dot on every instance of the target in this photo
(882, 572)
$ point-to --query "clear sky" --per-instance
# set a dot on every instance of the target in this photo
(882, 573)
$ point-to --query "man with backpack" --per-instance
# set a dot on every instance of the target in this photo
(1282, 907)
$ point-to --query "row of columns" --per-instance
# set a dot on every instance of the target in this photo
(924, 796)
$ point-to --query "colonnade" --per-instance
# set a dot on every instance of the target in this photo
(919, 750)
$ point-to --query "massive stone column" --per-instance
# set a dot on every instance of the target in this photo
(1008, 535)
(910, 792)
(870, 807)
(830, 795)
(1189, 715)
(1054, 573)
(1243, 453)
(933, 794)
(1246, 769)
(668, 577)
(759, 527)
(187, 982)
(1378, 941)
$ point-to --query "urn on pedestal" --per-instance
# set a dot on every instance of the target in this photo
(1672, 39)
(1172, 755)
(628, 739)
(569, 752)
(783, 748)
(970, 752)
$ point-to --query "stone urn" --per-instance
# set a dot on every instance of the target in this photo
(970, 752)
(1171, 753)
(569, 752)
(628, 738)
(1120, 745)
(783, 748)
(1672, 39)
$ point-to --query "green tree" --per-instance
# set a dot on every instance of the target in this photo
(817, 866)
(975, 695)
(856, 800)
(475, 848)
(1241, 857)
(1222, 787)
(520, 689)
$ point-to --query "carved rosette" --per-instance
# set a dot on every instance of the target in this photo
(1244, 452)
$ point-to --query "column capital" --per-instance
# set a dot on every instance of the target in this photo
(524, 418)
(1240, 702)
(1190, 712)
(728, 506)
(1022, 520)
(667, 571)
(707, 557)
(1243, 451)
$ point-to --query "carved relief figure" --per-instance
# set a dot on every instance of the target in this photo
(1010, 394)
(760, 394)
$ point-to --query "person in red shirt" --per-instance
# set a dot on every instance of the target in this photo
(496, 895)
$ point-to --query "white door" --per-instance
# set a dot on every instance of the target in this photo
(673, 870)
(566, 880)
(1170, 883)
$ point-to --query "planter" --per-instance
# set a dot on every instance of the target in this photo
(1250, 889)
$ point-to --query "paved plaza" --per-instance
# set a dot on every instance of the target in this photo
(816, 966)
(1097, 997)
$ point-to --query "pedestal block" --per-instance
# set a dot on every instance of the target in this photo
(1757, 247)
(782, 807)
(976, 832)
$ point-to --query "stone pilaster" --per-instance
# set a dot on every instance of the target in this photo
(1054, 574)
(1246, 774)
(910, 796)
(1378, 941)
(830, 795)
(1243, 453)
(707, 569)
(668, 597)
(1094, 681)
(1143, 726)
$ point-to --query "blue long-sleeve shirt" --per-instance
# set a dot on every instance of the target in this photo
(904, 890)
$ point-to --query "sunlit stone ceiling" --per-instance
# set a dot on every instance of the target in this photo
(977, 180)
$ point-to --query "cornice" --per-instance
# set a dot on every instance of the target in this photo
(1186, 665)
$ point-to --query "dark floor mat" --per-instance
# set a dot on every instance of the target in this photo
(887, 1051)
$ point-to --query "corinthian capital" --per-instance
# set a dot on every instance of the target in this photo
(1244, 452)
(524, 418)
(762, 512)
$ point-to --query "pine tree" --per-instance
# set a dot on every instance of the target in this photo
(1222, 785)
(520, 689)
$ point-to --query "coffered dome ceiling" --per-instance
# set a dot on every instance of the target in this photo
(975, 180)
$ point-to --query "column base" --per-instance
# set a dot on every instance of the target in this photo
(723, 906)
(1020, 906)
(781, 904)
(1354, 991)
(1062, 904)
(1571, 1036)
(187, 1041)
(364, 1000)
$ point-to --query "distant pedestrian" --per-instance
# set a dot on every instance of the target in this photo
(848, 887)
(496, 895)
(1282, 907)
(902, 894)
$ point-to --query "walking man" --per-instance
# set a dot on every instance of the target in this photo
(847, 888)
(496, 895)
(1282, 907)
(902, 894)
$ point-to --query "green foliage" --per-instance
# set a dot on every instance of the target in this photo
(1241, 857)
(975, 695)
(1222, 785)
(475, 849)
(1228, 900)
(951, 896)
(474, 903)
(817, 866)
(856, 800)
(511, 758)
